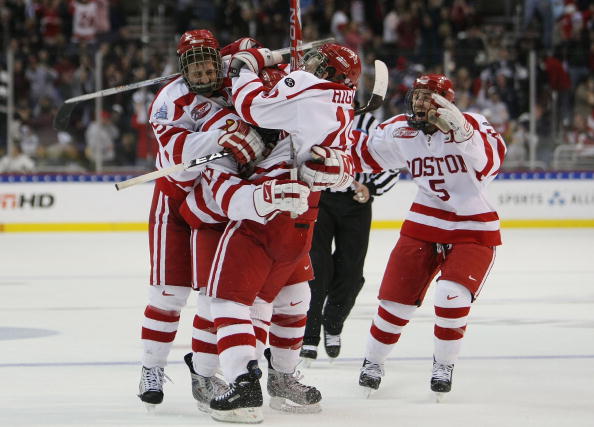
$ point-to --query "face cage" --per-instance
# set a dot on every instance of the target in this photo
(412, 119)
(199, 55)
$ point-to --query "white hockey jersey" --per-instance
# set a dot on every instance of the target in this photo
(450, 205)
(187, 126)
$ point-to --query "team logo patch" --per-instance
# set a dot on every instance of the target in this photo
(161, 113)
(200, 110)
(405, 133)
(289, 82)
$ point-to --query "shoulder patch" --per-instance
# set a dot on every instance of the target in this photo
(161, 113)
(289, 82)
(405, 133)
(200, 110)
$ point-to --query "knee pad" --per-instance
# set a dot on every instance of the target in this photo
(168, 298)
(451, 294)
(293, 299)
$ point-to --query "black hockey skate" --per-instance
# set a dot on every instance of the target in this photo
(441, 378)
(242, 403)
(332, 345)
(371, 376)
(204, 389)
(308, 354)
(150, 389)
(287, 394)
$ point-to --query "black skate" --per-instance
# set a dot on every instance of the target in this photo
(332, 345)
(150, 389)
(287, 394)
(204, 389)
(242, 403)
(371, 376)
(441, 379)
(308, 354)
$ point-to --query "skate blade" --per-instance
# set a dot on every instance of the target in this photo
(368, 391)
(240, 415)
(285, 405)
(439, 397)
(150, 407)
(306, 362)
(203, 407)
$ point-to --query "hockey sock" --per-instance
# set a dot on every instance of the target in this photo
(386, 328)
(452, 305)
(260, 312)
(204, 339)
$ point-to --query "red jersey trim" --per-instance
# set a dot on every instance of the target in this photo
(428, 233)
(451, 216)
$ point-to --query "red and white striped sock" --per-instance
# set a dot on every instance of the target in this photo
(204, 339)
(159, 328)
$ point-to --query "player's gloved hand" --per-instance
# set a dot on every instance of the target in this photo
(448, 118)
(254, 60)
(281, 195)
(244, 142)
(240, 44)
(329, 168)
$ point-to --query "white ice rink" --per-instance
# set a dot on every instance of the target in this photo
(71, 308)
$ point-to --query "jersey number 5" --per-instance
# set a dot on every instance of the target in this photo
(433, 183)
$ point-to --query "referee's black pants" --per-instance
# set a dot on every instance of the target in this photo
(339, 275)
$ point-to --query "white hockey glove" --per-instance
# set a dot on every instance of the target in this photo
(281, 195)
(243, 141)
(254, 60)
(330, 168)
(449, 118)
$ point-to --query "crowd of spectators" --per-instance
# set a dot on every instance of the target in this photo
(484, 51)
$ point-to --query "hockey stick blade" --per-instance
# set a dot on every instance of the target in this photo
(380, 87)
(151, 176)
(63, 116)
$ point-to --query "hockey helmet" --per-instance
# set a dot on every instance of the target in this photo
(270, 76)
(200, 61)
(419, 101)
(333, 62)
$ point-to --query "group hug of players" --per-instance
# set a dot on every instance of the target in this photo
(238, 230)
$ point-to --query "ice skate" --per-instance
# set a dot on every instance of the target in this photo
(287, 394)
(371, 376)
(308, 354)
(204, 389)
(441, 379)
(242, 403)
(150, 389)
(332, 345)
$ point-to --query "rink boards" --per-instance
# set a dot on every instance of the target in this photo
(74, 202)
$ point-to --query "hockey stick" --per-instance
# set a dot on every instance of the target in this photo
(380, 87)
(63, 116)
(140, 179)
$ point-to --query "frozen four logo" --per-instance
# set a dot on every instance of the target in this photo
(161, 113)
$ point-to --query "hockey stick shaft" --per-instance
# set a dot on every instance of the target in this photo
(295, 35)
(380, 87)
(151, 176)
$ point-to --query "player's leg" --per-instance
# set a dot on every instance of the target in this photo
(463, 274)
(287, 326)
(411, 267)
(169, 239)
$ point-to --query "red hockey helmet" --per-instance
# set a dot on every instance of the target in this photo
(200, 61)
(419, 101)
(270, 76)
(333, 62)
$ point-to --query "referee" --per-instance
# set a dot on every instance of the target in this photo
(345, 218)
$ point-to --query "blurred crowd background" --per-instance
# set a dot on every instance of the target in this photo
(526, 65)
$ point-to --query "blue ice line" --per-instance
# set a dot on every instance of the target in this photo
(338, 360)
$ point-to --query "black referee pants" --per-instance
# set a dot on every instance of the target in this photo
(339, 275)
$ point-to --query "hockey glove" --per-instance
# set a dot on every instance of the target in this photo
(245, 143)
(448, 118)
(330, 168)
(254, 60)
(277, 196)
(240, 44)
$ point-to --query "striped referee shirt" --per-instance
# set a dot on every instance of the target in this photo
(377, 183)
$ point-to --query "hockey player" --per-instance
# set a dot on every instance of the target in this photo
(181, 108)
(265, 252)
(451, 228)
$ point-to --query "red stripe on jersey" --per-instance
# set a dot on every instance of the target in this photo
(201, 204)
(178, 148)
(398, 118)
(382, 336)
(149, 334)
(221, 322)
(228, 195)
(439, 235)
(329, 140)
(488, 148)
(390, 318)
(449, 334)
(166, 137)
(182, 101)
(204, 324)
(217, 116)
(286, 343)
(375, 166)
(261, 334)
(238, 92)
(451, 216)
(161, 315)
(235, 340)
(452, 312)
(204, 347)
(246, 105)
(289, 320)
(320, 86)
